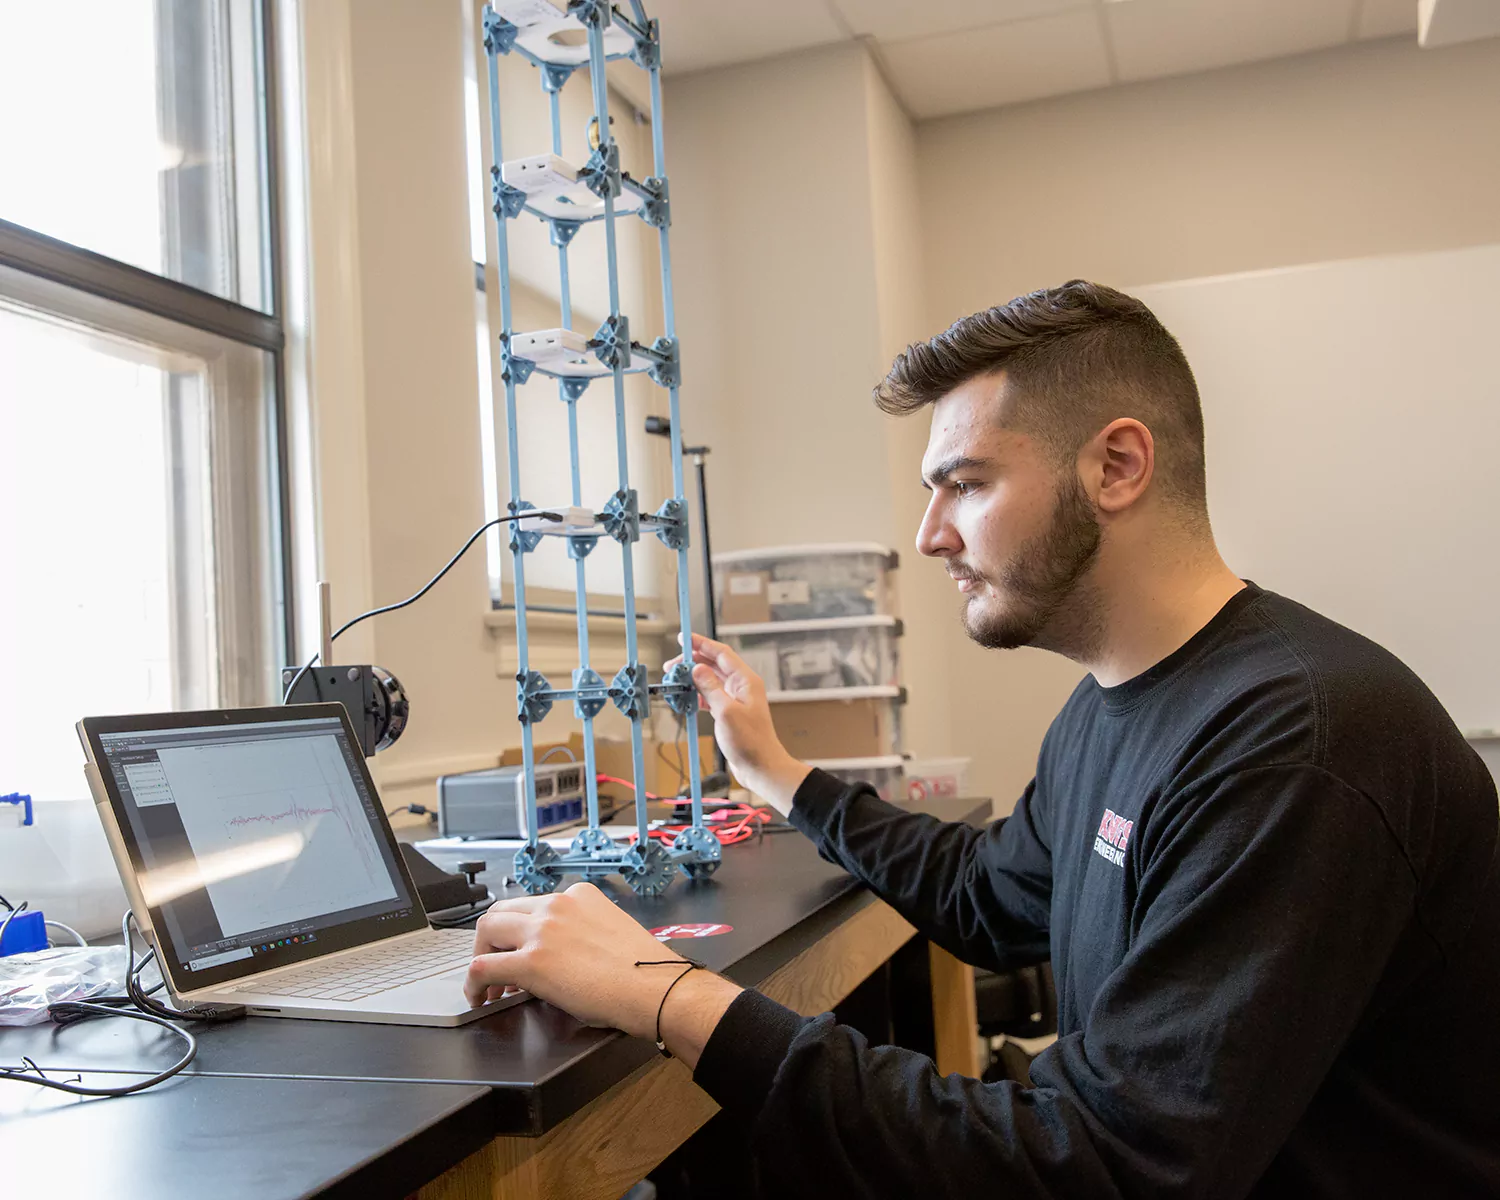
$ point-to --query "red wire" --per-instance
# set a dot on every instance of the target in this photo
(622, 783)
(745, 817)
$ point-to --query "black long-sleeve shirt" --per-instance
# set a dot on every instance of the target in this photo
(1266, 873)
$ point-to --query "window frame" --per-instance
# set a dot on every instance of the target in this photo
(88, 273)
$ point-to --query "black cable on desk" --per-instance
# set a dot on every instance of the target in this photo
(70, 1012)
(136, 1005)
(459, 922)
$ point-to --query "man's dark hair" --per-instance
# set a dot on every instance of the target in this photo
(1075, 357)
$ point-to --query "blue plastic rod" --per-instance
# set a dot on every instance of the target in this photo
(513, 459)
(669, 318)
(632, 656)
(580, 575)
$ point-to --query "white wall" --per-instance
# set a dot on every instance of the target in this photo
(1367, 388)
(926, 592)
(1367, 150)
(798, 276)
(775, 284)
(1361, 151)
(421, 382)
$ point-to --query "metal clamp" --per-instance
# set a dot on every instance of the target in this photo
(676, 688)
(704, 848)
(512, 368)
(647, 868)
(647, 52)
(508, 200)
(611, 342)
(672, 526)
(591, 12)
(581, 545)
(555, 75)
(536, 869)
(592, 843)
(533, 697)
(601, 174)
(589, 693)
(622, 517)
(563, 232)
(630, 691)
(522, 541)
(666, 365)
(499, 34)
(656, 200)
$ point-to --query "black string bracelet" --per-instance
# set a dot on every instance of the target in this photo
(692, 965)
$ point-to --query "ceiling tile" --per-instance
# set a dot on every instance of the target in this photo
(1023, 60)
(1387, 18)
(1153, 38)
(889, 20)
(713, 33)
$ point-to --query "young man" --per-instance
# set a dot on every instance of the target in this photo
(1260, 857)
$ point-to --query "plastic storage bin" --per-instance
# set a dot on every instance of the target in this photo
(928, 778)
(799, 583)
(836, 652)
(884, 774)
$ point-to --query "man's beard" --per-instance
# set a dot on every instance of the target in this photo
(1040, 584)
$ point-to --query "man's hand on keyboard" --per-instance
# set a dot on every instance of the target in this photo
(577, 950)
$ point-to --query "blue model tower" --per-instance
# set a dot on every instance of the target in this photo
(545, 187)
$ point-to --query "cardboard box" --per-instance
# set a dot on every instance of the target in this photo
(864, 728)
(745, 598)
(612, 757)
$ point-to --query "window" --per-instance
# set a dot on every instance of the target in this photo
(142, 137)
(141, 471)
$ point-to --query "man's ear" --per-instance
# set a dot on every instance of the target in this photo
(1122, 458)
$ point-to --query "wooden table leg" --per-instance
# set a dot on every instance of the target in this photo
(597, 1153)
(954, 1019)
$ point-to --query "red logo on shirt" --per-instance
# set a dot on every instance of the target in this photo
(1112, 838)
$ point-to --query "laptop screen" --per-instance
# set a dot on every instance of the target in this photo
(256, 842)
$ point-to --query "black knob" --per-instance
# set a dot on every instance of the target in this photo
(471, 869)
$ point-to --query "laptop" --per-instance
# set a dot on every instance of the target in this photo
(259, 862)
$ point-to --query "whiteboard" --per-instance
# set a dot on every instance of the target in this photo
(1352, 413)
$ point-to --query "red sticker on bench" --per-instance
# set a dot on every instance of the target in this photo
(666, 932)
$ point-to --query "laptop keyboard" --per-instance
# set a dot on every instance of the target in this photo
(356, 976)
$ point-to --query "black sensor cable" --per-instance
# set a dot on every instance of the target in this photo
(412, 599)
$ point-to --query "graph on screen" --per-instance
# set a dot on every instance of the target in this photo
(233, 797)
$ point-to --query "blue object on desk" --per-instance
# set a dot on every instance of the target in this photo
(23, 801)
(26, 931)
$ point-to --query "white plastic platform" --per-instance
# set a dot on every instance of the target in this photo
(564, 353)
(553, 189)
(576, 522)
(549, 35)
(558, 352)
